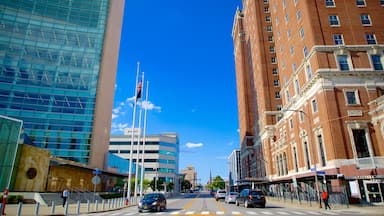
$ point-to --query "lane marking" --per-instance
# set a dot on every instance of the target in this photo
(297, 212)
(236, 213)
(205, 212)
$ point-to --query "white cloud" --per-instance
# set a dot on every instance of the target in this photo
(119, 127)
(150, 106)
(114, 116)
(194, 145)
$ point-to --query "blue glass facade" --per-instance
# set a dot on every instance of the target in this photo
(50, 56)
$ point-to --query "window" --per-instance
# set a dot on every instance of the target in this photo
(297, 86)
(291, 123)
(266, 9)
(329, 3)
(266, 1)
(301, 116)
(272, 49)
(288, 96)
(338, 39)
(298, 15)
(301, 32)
(289, 33)
(284, 3)
(269, 28)
(295, 158)
(295, 1)
(277, 95)
(294, 67)
(291, 50)
(343, 62)
(360, 3)
(270, 38)
(305, 51)
(306, 150)
(333, 20)
(314, 105)
(352, 97)
(286, 18)
(376, 62)
(361, 143)
(365, 19)
(371, 39)
(308, 70)
(268, 18)
(382, 2)
(275, 71)
(273, 60)
(322, 153)
(276, 83)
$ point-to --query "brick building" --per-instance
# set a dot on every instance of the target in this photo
(310, 84)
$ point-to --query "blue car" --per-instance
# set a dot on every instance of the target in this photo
(152, 202)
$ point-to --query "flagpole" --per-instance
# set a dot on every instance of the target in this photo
(144, 134)
(138, 139)
(132, 128)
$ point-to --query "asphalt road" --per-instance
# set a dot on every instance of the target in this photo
(203, 204)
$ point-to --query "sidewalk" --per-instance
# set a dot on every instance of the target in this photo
(315, 206)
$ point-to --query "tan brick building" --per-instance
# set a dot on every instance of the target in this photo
(310, 84)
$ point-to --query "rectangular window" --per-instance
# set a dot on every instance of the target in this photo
(279, 107)
(322, 152)
(273, 60)
(352, 97)
(301, 32)
(298, 15)
(288, 96)
(306, 150)
(314, 105)
(275, 71)
(289, 33)
(329, 3)
(277, 95)
(360, 3)
(297, 86)
(308, 70)
(338, 39)
(266, 9)
(361, 143)
(272, 49)
(371, 39)
(291, 123)
(301, 116)
(382, 2)
(295, 158)
(365, 20)
(276, 83)
(270, 38)
(269, 28)
(333, 20)
(291, 50)
(286, 18)
(376, 62)
(305, 51)
(266, 1)
(268, 18)
(343, 62)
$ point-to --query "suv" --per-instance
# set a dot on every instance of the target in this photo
(251, 198)
(220, 194)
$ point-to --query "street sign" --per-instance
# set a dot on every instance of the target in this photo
(320, 172)
(96, 172)
(96, 180)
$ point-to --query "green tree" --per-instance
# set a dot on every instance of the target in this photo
(218, 183)
(170, 186)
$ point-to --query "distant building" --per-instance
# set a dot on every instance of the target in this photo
(310, 84)
(190, 175)
(58, 63)
(161, 154)
(234, 167)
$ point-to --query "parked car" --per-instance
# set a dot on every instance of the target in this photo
(231, 197)
(251, 198)
(220, 194)
(152, 202)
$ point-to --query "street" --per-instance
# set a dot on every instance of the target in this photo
(204, 204)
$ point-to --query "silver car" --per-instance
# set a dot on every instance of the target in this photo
(220, 194)
(231, 197)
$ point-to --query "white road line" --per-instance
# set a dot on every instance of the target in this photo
(115, 214)
(314, 213)
(331, 213)
(282, 213)
(219, 212)
(251, 213)
(267, 213)
(130, 213)
(205, 212)
(298, 213)
(175, 213)
(236, 213)
(189, 212)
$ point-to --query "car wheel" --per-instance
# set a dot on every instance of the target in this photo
(140, 211)
(246, 204)
(158, 208)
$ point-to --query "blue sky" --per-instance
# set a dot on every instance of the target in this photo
(185, 50)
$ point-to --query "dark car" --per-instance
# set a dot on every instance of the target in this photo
(251, 198)
(153, 202)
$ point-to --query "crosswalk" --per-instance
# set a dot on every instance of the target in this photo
(176, 213)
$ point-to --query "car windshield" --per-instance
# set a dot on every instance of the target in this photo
(151, 196)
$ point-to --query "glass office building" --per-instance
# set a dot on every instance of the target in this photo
(53, 65)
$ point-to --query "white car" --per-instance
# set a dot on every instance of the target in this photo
(220, 194)
(231, 197)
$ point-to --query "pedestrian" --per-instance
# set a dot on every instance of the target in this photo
(325, 198)
(65, 196)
